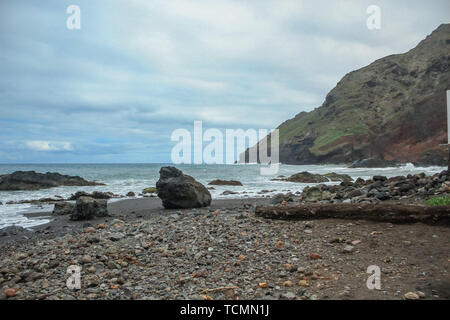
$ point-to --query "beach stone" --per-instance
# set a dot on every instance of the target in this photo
(10, 292)
(313, 194)
(131, 194)
(14, 231)
(102, 195)
(149, 190)
(335, 177)
(63, 208)
(349, 249)
(354, 193)
(117, 236)
(94, 195)
(280, 197)
(87, 208)
(288, 295)
(180, 191)
(411, 296)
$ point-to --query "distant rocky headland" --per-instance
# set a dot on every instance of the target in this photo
(392, 111)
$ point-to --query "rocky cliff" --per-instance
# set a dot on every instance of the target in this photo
(392, 110)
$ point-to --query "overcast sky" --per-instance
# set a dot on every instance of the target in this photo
(115, 90)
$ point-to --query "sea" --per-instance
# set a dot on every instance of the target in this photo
(123, 178)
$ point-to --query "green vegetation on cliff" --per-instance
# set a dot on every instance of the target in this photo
(393, 109)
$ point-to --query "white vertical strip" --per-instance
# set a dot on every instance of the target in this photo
(448, 116)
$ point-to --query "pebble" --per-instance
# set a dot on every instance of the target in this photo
(411, 296)
(10, 292)
(116, 236)
(86, 259)
(348, 249)
(303, 283)
(288, 283)
(288, 295)
(315, 256)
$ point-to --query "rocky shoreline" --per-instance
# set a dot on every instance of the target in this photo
(31, 180)
(137, 249)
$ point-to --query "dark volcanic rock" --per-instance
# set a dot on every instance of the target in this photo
(63, 208)
(280, 197)
(413, 188)
(306, 177)
(31, 180)
(373, 163)
(178, 191)
(228, 193)
(95, 195)
(88, 208)
(225, 183)
(335, 177)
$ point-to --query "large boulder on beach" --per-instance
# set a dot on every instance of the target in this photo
(87, 208)
(31, 180)
(180, 191)
(63, 208)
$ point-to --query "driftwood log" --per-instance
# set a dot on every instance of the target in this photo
(394, 213)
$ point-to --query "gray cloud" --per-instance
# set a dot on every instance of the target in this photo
(116, 89)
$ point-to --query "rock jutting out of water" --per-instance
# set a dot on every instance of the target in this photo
(31, 180)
